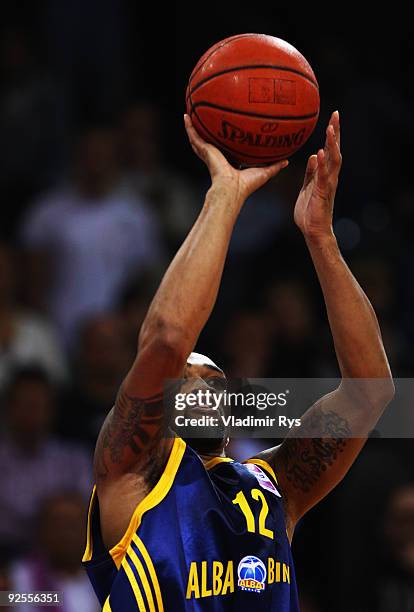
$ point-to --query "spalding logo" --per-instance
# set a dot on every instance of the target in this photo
(252, 574)
(234, 133)
(269, 127)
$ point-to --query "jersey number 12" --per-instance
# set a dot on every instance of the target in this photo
(241, 501)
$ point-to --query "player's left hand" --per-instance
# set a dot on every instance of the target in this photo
(314, 206)
(241, 183)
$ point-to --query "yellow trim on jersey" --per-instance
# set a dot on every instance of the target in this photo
(107, 606)
(154, 497)
(87, 555)
(210, 464)
(134, 585)
(151, 570)
(143, 577)
(263, 464)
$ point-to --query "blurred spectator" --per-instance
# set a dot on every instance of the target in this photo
(30, 124)
(92, 62)
(366, 181)
(34, 463)
(395, 584)
(5, 584)
(133, 307)
(291, 327)
(377, 277)
(4, 576)
(103, 359)
(173, 197)
(25, 338)
(347, 530)
(247, 345)
(54, 564)
(95, 233)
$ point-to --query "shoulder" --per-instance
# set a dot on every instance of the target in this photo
(261, 463)
(267, 460)
(255, 467)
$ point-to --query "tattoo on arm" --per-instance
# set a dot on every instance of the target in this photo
(306, 459)
(131, 426)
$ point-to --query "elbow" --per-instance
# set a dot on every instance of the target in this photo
(376, 393)
(388, 391)
(383, 390)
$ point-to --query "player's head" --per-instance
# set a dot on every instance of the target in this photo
(202, 374)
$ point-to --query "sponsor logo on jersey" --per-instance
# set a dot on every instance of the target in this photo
(212, 578)
(252, 574)
(262, 478)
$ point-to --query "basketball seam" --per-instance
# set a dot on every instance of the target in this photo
(254, 67)
(234, 151)
(268, 159)
(251, 114)
(232, 38)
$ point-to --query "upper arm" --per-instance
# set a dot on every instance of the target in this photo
(310, 466)
(133, 435)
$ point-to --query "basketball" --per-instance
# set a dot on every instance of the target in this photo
(255, 97)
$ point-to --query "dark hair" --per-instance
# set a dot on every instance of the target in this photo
(28, 373)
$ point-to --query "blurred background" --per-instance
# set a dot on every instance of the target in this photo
(98, 188)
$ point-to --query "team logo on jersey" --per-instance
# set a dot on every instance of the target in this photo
(262, 478)
(252, 574)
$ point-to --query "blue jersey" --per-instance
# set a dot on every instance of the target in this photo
(206, 538)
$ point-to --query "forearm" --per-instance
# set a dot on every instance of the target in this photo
(188, 291)
(316, 456)
(354, 326)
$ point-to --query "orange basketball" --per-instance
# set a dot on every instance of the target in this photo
(255, 97)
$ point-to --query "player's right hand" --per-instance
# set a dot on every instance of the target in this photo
(241, 183)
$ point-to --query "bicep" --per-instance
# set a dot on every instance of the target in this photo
(136, 428)
(310, 466)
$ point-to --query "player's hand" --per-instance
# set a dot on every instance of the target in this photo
(314, 206)
(241, 183)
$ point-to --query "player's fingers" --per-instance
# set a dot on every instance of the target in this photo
(323, 173)
(310, 170)
(198, 144)
(191, 133)
(326, 146)
(330, 146)
(271, 171)
(265, 174)
(256, 177)
(337, 128)
(334, 151)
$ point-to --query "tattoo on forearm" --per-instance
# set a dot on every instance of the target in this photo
(132, 423)
(307, 458)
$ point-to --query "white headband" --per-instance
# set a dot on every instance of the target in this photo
(199, 359)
